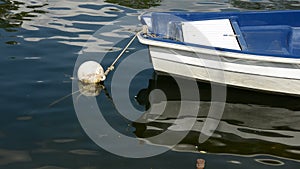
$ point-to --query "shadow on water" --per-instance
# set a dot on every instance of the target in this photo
(252, 122)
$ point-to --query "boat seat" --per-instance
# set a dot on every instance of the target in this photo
(215, 33)
(239, 34)
(270, 39)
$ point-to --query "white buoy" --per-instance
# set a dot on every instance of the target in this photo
(91, 72)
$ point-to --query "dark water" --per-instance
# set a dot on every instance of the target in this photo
(39, 43)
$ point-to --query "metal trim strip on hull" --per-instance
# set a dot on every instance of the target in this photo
(215, 57)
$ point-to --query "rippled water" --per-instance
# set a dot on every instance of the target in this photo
(40, 41)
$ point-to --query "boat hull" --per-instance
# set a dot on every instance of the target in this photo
(275, 77)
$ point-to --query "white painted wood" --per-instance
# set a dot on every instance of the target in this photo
(215, 33)
(289, 84)
(251, 81)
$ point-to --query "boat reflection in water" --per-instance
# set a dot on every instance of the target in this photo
(252, 123)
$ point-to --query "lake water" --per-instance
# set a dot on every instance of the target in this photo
(41, 43)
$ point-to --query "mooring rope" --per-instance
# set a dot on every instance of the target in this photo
(111, 67)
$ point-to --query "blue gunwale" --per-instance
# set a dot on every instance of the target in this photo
(221, 49)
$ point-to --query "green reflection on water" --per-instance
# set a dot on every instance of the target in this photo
(11, 18)
(266, 5)
(241, 4)
(136, 4)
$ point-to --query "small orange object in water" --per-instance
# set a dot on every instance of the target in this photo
(200, 164)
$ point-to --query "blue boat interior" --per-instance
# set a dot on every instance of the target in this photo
(267, 32)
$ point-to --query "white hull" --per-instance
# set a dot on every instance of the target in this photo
(232, 78)
(271, 74)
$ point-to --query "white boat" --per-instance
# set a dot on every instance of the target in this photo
(254, 50)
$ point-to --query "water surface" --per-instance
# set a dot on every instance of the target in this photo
(40, 42)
